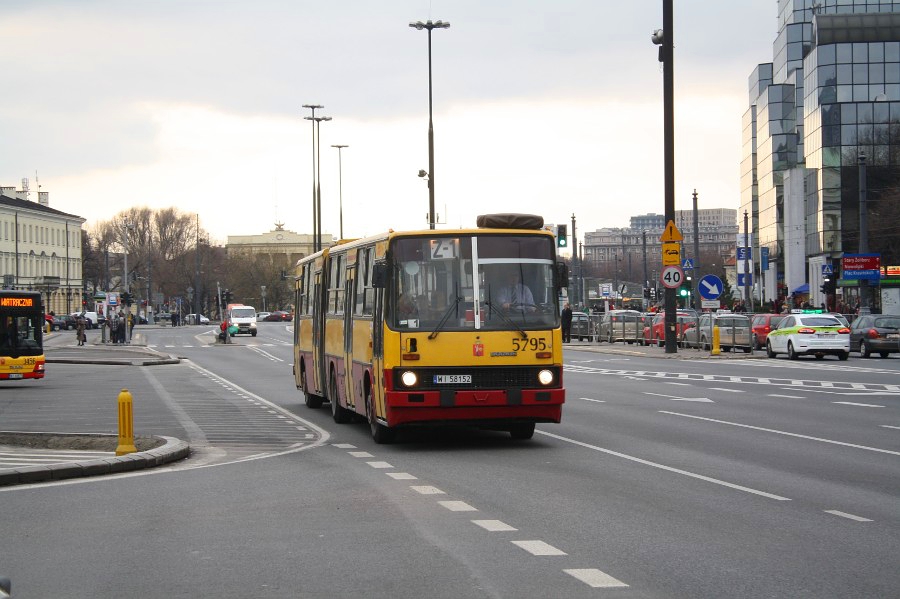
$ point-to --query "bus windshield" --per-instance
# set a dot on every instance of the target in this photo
(20, 336)
(464, 282)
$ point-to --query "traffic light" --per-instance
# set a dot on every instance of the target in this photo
(829, 287)
(126, 299)
(686, 287)
(228, 297)
(562, 239)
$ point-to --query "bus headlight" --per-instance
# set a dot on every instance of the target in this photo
(409, 378)
(545, 377)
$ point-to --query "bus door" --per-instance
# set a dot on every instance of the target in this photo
(317, 384)
(349, 304)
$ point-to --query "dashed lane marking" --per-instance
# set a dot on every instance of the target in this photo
(595, 578)
(457, 506)
(494, 526)
(538, 548)
(860, 405)
(848, 516)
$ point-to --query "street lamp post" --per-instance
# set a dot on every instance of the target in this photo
(128, 225)
(312, 118)
(429, 26)
(864, 301)
(340, 188)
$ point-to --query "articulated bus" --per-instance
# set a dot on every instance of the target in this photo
(424, 328)
(21, 335)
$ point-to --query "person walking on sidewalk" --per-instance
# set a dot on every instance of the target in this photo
(79, 329)
(567, 323)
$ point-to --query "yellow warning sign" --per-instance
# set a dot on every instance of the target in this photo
(671, 253)
(671, 233)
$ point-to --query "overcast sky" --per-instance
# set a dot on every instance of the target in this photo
(550, 107)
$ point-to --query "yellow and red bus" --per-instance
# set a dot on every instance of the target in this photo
(21, 335)
(418, 328)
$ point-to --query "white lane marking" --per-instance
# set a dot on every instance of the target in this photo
(401, 476)
(458, 506)
(664, 467)
(786, 396)
(777, 432)
(676, 398)
(380, 465)
(594, 400)
(727, 390)
(265, 354)
(361, 454)
(494, 525)
(861, 405)
(676, 383)
(848, 516)
(595, 578)
(426, 490)
(538, 548)
(889, 426)
(340, 445)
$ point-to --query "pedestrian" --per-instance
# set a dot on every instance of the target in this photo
(114, 328)
(122, 325)
(79, 329)
(567, 323)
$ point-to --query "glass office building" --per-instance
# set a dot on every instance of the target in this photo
(831, 95)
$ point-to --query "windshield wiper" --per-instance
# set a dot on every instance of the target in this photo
(502, 315)
(449, 311)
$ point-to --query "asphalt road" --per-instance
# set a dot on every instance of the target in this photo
(667, 478)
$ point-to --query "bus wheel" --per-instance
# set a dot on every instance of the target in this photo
(380, 433)
(522, 431)
(340, 414)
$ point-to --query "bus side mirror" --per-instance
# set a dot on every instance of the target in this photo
(379, 275)
(562, 275)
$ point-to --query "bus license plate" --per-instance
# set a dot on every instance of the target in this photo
(444, 379)
(15, 375)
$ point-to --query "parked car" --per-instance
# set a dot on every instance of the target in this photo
(196, 319)
(734, 332)
(582, 327)
(655, 333)
(63, 322)
(803, 334)
(875, 333)
(761, 325)
(262, 316)
(620, 325)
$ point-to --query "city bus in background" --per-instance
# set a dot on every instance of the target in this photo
(21, 335)
(417, 328)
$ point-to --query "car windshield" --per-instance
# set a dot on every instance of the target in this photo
(819, 321)
(473, 282)
(243, 313)
(887, 323)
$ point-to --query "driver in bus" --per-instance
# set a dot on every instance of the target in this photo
(514, 295)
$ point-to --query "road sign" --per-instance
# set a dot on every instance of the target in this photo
(688, 264)
(827, 270)
(671, 253)
(672, 277)
(671, 233)
(741, 278)
(712, 304)
(710, 287)
(861, 266)
(744, 253)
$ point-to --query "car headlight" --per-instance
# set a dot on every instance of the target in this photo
(409, 378)
(545, 377)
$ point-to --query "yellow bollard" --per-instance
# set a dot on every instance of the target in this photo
(715, 342)
(126, 424)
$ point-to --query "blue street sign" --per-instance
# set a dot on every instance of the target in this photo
(742, 277)
(710, 287)
(688, 264)
(744, 253)
(764, 258)
(827, 270)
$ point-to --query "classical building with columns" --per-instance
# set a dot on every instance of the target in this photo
(40, 249)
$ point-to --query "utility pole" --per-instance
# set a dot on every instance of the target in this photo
(646, 289)
(747, 244)
(696, 278)
(576, 270)
(864, 301)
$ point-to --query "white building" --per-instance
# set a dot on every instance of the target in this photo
(40, 249)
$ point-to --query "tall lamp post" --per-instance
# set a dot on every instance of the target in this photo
(340, 188)
(429, 25)
(312, 118)
(128, 225)
(864, 301)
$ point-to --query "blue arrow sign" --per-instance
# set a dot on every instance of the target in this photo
(710, 287)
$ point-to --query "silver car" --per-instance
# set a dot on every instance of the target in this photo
(621, 325)
(734, 332)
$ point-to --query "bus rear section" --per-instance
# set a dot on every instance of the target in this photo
(21, 335)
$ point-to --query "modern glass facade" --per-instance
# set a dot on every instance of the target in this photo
(831, 93)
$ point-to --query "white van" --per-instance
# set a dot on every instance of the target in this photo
(93, 321)
(242, 317)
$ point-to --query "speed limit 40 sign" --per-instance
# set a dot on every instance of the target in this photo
(671, 277)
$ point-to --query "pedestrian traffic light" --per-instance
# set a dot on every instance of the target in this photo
(126, 298)
(829, 287)
(562, 239)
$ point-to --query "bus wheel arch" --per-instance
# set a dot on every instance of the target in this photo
(312, 401)
(340, 414)
(380, 433)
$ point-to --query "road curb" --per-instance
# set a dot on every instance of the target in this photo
(171, 450)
